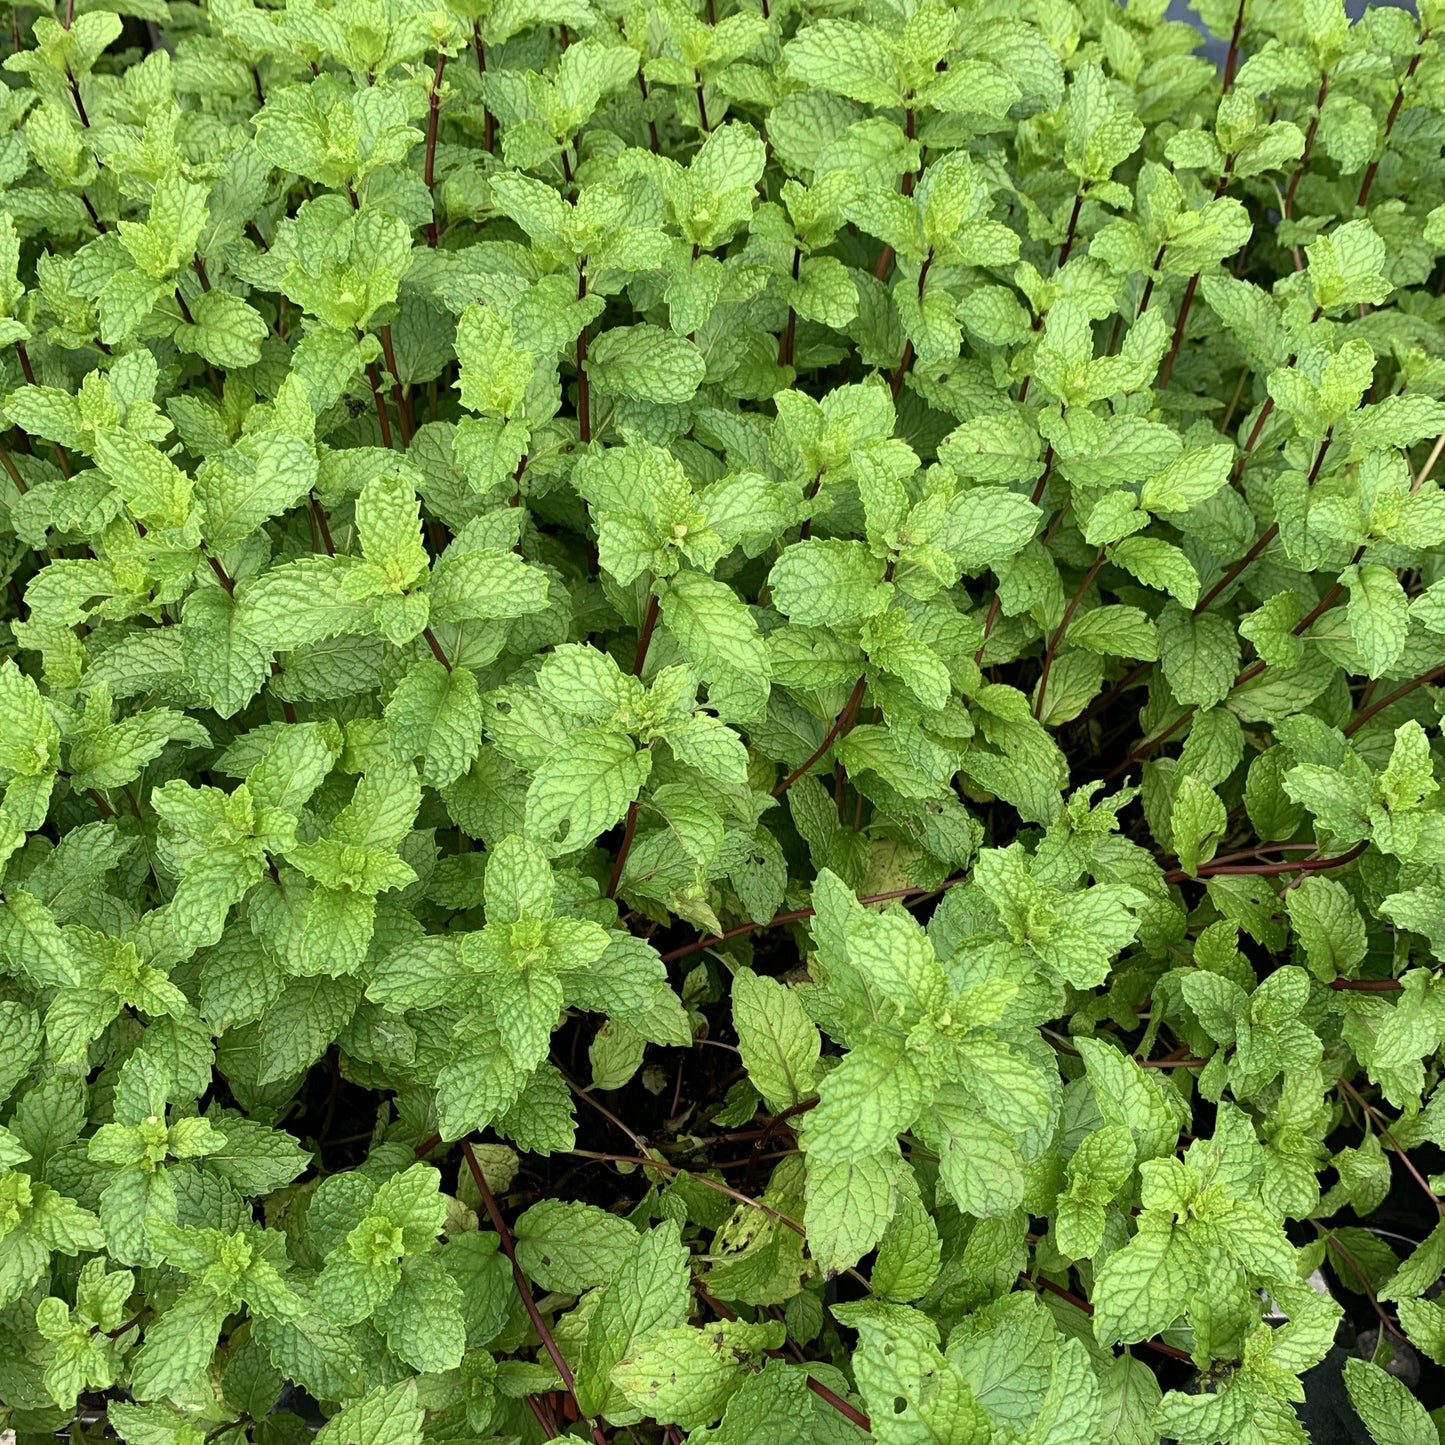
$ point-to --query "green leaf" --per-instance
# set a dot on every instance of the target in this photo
(648, 1293)
(779, 1044)
(572, 1247)
(685, 1376)
(1390, 1413)
(646, 363)
(584, 788)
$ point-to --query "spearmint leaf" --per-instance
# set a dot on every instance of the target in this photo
(846, 58)
(1328, 925)
(436, 714)
(865, 1103)
(1377, 615)
(475, 539)
(719, 637)
(1143, 1287)
(646, 363)
(1200, 656)
(647, 1294)
(780, 1046)
(572, 1246)
(584, 788)
(1198, 821)
(1390, 1413)
(388, 1415)
(686, 1376)
(907, 1382)
(829, 584)
(848, 1208)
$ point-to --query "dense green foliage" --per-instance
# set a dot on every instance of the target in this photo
(715, 722)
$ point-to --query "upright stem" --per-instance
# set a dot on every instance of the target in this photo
(1288, 208)
(1231, 60)
(436, 647)
(639, 661)
(1270, 532)
(896, 384)
(1073, 226)
(1052, 646)
(1381, 703)
(584, 405)
(489, 121)
(701, 104)
(403, 407)
(785, 346)
(644, 637)
(433, 120)
(620, 861)
(651, 124)
(29, 373)
(841, 725)
(373, 377)
(1167, 369)
(524, 1290)
(1373, 168)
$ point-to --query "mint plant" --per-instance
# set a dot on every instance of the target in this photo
(720, 722)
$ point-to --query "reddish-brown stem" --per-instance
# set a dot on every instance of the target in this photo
(651, 124)
(989, 619)
(797, 915)
(1265, 538)
(1080, 1303)
(75, 96)
(639, 661)
(620, 861)
(61, 457)
(319, 513)
(1288, 208)
(1332, 1243)
(1052, 646)
(373, 377)
(100, 803)
(540, 1415)
(897, 382)
(1366, 985)
(701, 104)
(489, 122)
(8, 462)
(1270, 870)
(398, 396)
(840, 1405)
(841, 725)
(785, 346)
(1144, 299)
(848, 1411)
(524, 1290)
(436, 647)
(584, 401)
(1373, 168)
(1167, 369)
(1380, 704)
(1150, 743)
(221, 575)
(1405, 1159)
(1231, 59)
(1270, 532)
(1073, 226)
(1040, 487)
(433, 120)
(644, 637)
